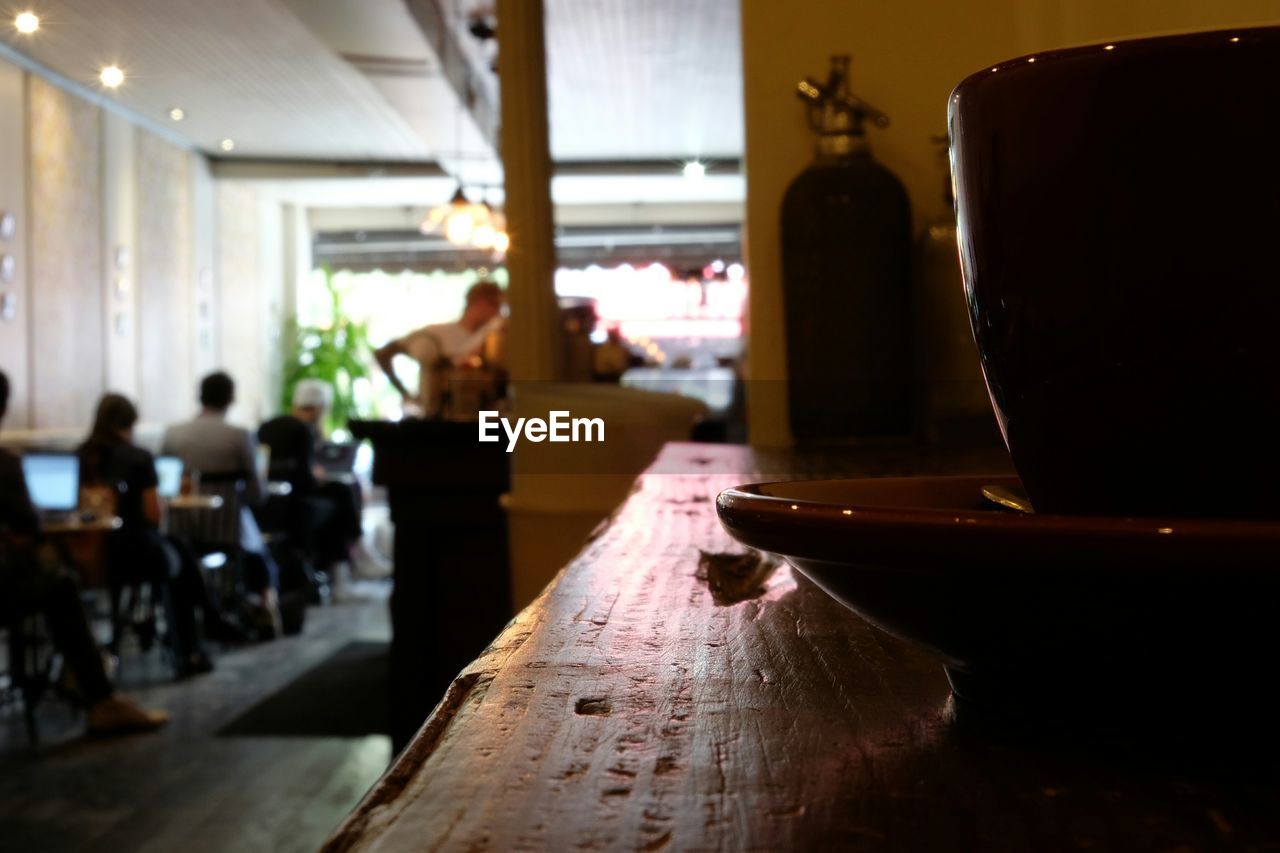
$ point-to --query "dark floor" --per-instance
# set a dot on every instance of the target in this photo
(183, 788)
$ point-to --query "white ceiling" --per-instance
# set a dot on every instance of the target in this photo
(382, 40)
(248, 70)
(646, 80)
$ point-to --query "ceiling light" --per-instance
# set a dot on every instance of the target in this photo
(458, 229)
(112, 77)
(468, 224)
(26, 23)
(177, 114)
(227, 144)
(484, 236)
(694, 169)
(454, 216)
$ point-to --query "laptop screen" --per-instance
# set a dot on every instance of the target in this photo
(168, 476)
(53, 479)
(337, 457)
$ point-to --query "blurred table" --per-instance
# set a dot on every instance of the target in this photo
(74, 525)
(185, 509)
(85, 543)
(192, 502)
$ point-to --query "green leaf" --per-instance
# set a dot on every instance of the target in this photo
(338, 355)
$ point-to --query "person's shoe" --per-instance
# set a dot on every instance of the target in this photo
(117, 715)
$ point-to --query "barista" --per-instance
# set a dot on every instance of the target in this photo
(441, 346)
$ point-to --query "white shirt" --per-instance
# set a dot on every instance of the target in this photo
(442, 340)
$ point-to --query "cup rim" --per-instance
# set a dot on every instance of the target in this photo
(1028, 62)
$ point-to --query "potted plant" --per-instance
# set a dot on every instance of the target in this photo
(336, 353)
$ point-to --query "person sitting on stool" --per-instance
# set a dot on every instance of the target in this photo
(213, 447)
(137, 553)
(33, 581)
(329, 509)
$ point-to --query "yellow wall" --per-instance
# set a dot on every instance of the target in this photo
(906, 59)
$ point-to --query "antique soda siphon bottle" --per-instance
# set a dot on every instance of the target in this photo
(847, 283)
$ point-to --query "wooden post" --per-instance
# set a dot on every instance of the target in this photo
(535, 349)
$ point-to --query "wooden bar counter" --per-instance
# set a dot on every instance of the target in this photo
(633, 706)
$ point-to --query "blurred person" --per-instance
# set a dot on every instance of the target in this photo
(612, 358)
(207, 444)
(330, 509)
(137, 553)
(210, 445)
(444, 343)
(33, 580)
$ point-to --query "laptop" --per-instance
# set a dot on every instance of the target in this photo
(337, 457)
(168, 476)
(53, 480)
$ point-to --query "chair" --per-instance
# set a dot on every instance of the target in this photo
(29, 666)
(289, 518)
(132, 603)
(23, 664)
(217, 533)
(230, 532)
(283, 514)
(133, 608)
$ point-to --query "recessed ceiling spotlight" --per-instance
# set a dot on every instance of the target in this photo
(177, 114)
(26, 23)
(112, 77)
(227, 144)
(695, 169)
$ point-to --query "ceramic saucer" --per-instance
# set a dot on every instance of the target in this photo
(1028, 609)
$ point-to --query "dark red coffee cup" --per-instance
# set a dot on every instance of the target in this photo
(1119, 230)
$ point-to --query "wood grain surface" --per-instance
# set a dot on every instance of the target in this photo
(668, 691)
